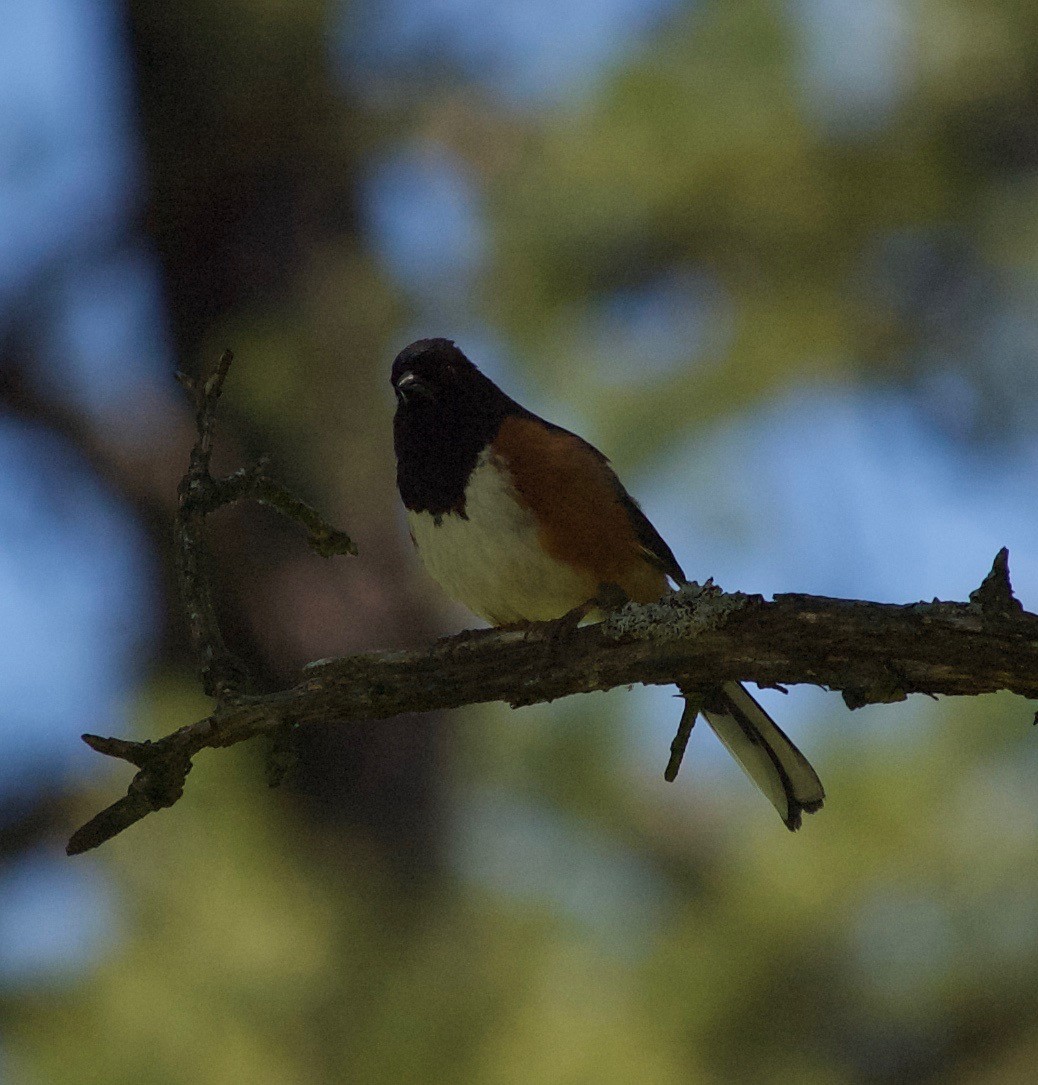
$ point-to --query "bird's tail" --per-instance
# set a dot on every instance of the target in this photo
(766, 755)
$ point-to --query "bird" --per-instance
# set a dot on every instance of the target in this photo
(522, 521)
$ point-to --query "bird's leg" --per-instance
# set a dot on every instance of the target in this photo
(608, 597)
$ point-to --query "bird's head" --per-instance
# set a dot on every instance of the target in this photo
(433, 376)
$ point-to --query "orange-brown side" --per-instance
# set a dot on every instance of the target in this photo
(575, 499)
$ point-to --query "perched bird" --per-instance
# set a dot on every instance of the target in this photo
(523, 521)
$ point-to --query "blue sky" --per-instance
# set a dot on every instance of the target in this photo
(77, 579)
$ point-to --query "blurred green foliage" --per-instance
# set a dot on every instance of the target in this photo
(894, 938)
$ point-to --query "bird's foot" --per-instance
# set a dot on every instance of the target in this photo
(608, 597)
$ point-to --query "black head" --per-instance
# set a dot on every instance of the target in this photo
(433, 374)
(446, 413)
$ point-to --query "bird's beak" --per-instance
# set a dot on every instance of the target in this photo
(409, 385)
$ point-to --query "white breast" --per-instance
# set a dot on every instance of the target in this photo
(490, 560)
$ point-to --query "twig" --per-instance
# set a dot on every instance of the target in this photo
(224, 677)
(995, 594)
(222, 674)
(689, 712)
(163, 766)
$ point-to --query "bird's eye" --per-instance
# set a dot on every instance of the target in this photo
(408, 385)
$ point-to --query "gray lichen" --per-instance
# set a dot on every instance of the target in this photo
(691, 610)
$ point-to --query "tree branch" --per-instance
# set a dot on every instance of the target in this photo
(224, 677)
(694, 638)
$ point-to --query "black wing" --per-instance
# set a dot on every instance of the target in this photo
(656, 549)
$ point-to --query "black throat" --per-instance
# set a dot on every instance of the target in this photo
(437, 446)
